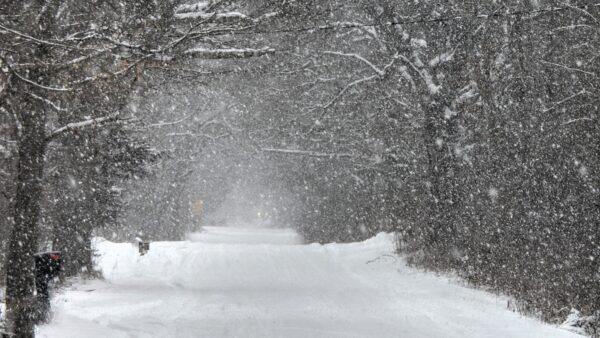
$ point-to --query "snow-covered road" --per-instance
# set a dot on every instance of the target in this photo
(231, 282)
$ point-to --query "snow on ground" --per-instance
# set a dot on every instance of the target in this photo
(2, 306)
(246, 235)
(231, 282)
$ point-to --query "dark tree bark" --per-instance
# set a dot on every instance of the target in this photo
(23, 240)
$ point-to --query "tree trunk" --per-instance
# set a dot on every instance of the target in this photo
(20, 275)
(438, 135)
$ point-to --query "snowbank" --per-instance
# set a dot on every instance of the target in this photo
(231, 282)
(2, 305)
(246, 235)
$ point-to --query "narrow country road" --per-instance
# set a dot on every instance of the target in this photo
(232, 282)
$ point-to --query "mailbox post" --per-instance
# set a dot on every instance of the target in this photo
(47, 267)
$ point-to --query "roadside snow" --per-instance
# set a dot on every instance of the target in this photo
(246, 235)
(268, 285)
(2, 306)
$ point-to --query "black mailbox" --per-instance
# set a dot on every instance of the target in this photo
(144, 247)
(47, 267)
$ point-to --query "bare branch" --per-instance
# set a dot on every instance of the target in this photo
(556, 104)
(423, 73)
(568, 68)
(229, 53)
(229, 16)
(109, 75)
(48, 102)
(31, 38)
(15, 118)
(84, 124)
(411, 64)
(580, 10)
(307, 153)
(197, 135)
(577, 120)
(362, 59)
(84, 58)
(442, 58)
(162, 124)
(345, 89)
(572, 27)
(24, 79)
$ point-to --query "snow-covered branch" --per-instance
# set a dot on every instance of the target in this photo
(48, 102)
(376, 69)
(31, 82)
(307, 153)
(162, 124)
(345, 89)
(84, 58)
(556, 104)
(579, 9)
(423, 73)
(442, 58)
(84, 124)
(577, 120)
(567, 67)
(29, 37)
(467, 93)
(203, 10)
(200, 135)
(229, 53)
(213, 16)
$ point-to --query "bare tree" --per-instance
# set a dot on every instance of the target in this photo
(59, 59)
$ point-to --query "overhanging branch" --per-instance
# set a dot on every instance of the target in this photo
(229, 53)
(84, 124)
(307, 153)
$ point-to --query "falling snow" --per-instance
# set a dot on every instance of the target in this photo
(299, 168)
